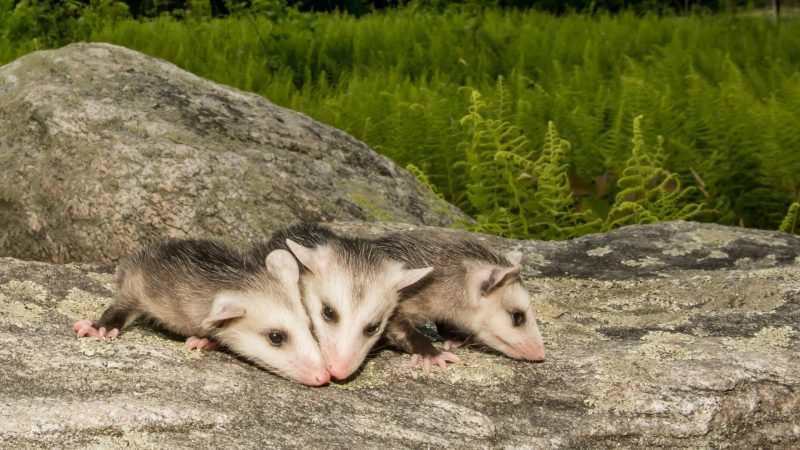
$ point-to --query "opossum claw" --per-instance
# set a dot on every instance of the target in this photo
(449, 357)
(440, 361)
(426, 364)
(84, 328)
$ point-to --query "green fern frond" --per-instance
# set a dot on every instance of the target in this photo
(649, 193)
(789, 223)
(423, 179)
(512, 194)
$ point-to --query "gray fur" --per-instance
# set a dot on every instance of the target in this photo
(174, 283)
(442, 293)
(204, 289)
(471, 289)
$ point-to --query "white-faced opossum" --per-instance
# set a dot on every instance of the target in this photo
(209, 292)
(349, 289)
(472, 289)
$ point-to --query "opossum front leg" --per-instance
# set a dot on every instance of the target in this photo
(198, 343)
(116, 317)
(404, 335)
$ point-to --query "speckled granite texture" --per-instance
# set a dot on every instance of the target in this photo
(103, 148)
(677, 335)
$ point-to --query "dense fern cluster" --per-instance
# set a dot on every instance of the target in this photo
(470, 99)
(513, 191)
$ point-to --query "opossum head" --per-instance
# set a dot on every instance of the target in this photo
(266, 323)
(350, 291)
(502, 312)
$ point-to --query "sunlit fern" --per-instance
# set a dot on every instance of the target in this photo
(649, 193)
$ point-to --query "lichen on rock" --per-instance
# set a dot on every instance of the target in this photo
(690, 356)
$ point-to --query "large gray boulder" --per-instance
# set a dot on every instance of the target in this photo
(673, 335)
(103, 148)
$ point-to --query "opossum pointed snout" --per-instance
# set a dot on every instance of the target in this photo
(318, 378)
(339, 367)
(533, 351)
(312, 373)
(339, 370)
(537, 354)
(323, 377)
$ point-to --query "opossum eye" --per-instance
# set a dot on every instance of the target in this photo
(329, 314)
(517, 317)
(371, 329)
(276, 337)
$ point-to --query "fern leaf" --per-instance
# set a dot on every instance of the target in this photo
(649, 193)
(789, 223)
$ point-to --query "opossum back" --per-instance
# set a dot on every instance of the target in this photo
(353, 254)
(305, 234)
(417, 250)
(175, 282)
(173, 267)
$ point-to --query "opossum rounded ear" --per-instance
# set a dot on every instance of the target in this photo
(225, 307)
(487, 279)
(310, 258)
(282, 264)
(404, 278)
(515, 258)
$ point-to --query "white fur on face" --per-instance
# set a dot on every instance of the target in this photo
(359, 301)
(298, 358)
(496, 328)
(343, 342)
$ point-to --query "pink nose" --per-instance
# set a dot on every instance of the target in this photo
(536, 353)
(338, 371)
(322, 377)
(317, 378)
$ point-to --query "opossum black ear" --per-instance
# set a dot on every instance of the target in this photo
(492, 279)
(404, 278)
(312, 259)
(225, 307)
(283, 265)
(515, 258)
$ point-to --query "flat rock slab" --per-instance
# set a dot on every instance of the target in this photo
(653, 342)
(103, 149)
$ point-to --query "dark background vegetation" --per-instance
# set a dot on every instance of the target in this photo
(221, 8)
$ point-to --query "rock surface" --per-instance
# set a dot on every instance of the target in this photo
(103, 148)
(672, 335)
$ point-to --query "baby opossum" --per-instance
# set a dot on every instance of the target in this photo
(209, 292)
(471, 288)
(349, 289)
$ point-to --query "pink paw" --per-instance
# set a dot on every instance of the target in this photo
(84, 328)
(452, 345)
(439, 361)
(196, 343)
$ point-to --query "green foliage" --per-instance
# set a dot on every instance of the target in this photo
(647, 192)
(423, 179)
(509, 192)
(723, 90)
(50, 23)
(789, 223)
(493, 152)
